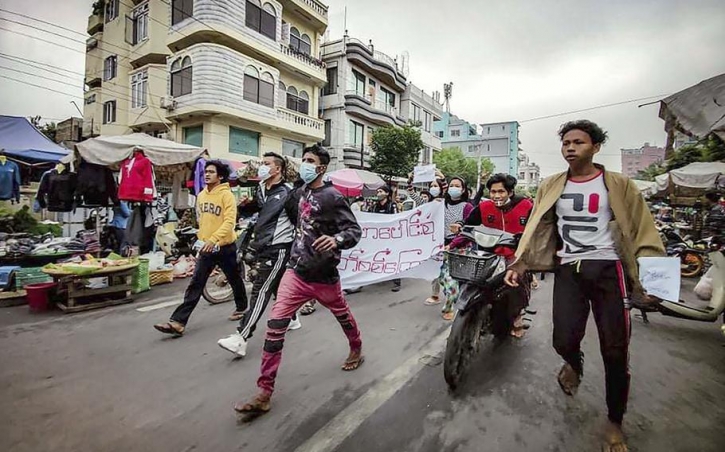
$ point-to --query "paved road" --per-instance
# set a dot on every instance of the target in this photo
(106, 381)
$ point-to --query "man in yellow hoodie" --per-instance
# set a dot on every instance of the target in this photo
(216, 212)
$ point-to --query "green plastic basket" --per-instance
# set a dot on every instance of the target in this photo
(30, 275)
(140, 281)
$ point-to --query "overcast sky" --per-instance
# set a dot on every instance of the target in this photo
(508, 60)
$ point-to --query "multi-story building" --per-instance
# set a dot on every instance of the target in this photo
(529, 173)
(364, 90)
(238, 77)
(636, 160)
(498, 142)
(69, 132)
(420, 107)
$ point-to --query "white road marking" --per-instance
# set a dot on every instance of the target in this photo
(163, 305)
(329, 437)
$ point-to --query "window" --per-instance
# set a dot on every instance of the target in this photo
(262, 19)
(328, 133)
(299, 102)
(331, 87)
(111, 11)
(301, 43)
(426, 155)
(181, 10)
(137, 26)
(292, 148)
(369, 140)
(181, 77)
(426, 122)
(385, 99)
(416, 113)
(281, 93)
(139, 82)
(90, 99)
(109, 112)
(455, 133)
(441, 134)
(194, 135)
(356, 134)
(110, 68)
(258, 89)
(243, 142)
(358, 81)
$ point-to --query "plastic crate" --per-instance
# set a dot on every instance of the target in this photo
(31, 275)
(157, 277)
(140, 281)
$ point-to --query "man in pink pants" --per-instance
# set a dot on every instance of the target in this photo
(325, 226)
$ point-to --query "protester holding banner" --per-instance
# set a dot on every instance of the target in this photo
(387, 205)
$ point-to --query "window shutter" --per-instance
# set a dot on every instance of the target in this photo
(285, 34)
(130, 30)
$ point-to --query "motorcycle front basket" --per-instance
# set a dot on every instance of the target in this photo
(471, 267)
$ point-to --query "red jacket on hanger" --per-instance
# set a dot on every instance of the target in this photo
(136, 179)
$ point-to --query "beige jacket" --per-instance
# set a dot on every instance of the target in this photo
(632, 226)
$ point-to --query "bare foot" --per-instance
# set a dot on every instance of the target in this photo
(247, 412)
(614, 438)
(568, 379)
(353, 361)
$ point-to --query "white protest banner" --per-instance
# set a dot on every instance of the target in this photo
(660, 276)
(424, 173)
(404, 245)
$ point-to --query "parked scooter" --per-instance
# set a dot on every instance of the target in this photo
(692, 260)
(480, 275)
(682, 310)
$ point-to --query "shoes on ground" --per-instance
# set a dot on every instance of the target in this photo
(234, 343)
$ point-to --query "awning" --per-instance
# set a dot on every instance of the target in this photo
(108, 150)
(697, 111)
(22, 141)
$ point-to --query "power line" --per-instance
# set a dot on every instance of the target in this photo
(592, 108)
(28, 62)
(39, 86)
(43, 21)
(40, 29)
(36, 75)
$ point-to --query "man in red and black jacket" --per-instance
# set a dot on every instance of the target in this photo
(507, 212)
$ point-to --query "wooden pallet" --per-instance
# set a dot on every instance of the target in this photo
(83, 299)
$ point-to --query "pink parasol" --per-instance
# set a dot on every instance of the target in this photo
(352, 182)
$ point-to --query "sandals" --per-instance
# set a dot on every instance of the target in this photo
(448, 315)
(568, 379)
(308, 308)
(236, 316)
(432, 301)
(250, 411)
(351, 364)
(173, 328)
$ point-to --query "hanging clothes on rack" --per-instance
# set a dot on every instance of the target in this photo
(197, 182)
(9, 180)
(136, 179)
(140, 229)
(57, 190)
(96, 186)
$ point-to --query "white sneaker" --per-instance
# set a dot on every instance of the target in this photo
(234, 343)
(295, 324)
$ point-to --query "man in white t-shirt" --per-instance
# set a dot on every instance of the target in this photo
(589, 226)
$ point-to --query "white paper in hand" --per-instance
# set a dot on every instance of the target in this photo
(660, 276)
(424, 173)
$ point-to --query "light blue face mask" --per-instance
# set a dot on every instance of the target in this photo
(455, 192)
(308, 172)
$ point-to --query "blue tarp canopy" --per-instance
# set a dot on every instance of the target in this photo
(20, 140)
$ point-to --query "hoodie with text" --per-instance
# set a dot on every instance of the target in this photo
(216, 212)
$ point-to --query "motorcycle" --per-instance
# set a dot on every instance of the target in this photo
(692, 256)
(481, 277)
(683, 310)
(217, 289)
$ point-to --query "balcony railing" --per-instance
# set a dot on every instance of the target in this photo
(376, 104)
(316, 6)
(301, 56)
(299, 119)
(377, 55)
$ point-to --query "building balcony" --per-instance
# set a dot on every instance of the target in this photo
(92, 113)
(313, 12)
(379, 64)
(95, 24)
(301, 124)
(94, 61)
(372, 110)
(354, 157)
(223, 22)
(147, 39)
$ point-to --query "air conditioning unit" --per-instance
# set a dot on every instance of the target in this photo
(168, 103)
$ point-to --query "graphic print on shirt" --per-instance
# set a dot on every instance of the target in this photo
(583, 221)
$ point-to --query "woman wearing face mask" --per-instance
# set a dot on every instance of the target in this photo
(386, 205)
(437, 193)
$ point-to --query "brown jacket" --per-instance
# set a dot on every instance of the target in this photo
(632, 226)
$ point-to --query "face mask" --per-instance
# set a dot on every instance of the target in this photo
(263, 172)
(455, 192)
(382, 196)
(435, 191)
(308, 172)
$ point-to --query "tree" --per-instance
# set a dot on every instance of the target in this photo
(396, 150)
(452, 162)
(651, 172)
(49, 130)
(687, 154)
